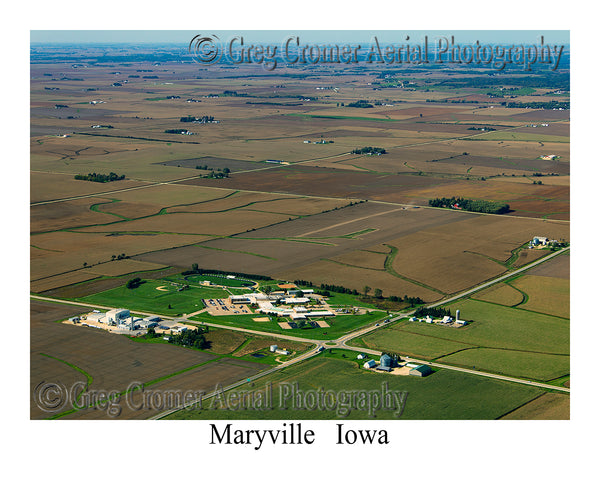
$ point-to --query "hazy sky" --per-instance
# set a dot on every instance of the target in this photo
(306, 36)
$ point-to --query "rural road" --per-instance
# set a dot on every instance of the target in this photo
(342, 342)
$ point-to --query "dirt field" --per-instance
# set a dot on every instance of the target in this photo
(500, 293)
(549, 406)
(113, 362)
(546, 294)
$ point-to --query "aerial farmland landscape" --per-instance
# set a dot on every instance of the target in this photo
(226, 233)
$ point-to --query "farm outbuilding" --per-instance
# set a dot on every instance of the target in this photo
(370, 364)
(421, 371)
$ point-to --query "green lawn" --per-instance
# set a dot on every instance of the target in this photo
(338, 325)
(443, 395)
(219, 280)
(148, 299)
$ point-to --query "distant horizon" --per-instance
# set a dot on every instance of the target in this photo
(183, 37)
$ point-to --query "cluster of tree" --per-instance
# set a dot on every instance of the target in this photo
(487, 129)
(537, 182)
(150, 76)
(133, 76)
(369, 151)
(543, 105)
(176, 130)
(233, 93)
(432, 312)
(546, 80)
(336, 289)
(412, 301)
(191, 339)
(202, 271)
(360, 104)
(481, 206)
(446, 100)
(135, 283)
(202, 119)
(173, 97)
(279, 104)
(151, 333)
(60, 106)
(226, 170)
(100, 177)
(214, 174)
(121, 256)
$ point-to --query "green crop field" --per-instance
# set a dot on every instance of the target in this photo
(536, 366)
(518, 342)
(443, 395)
(148, 298)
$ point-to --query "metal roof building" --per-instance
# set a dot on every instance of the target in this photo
(421, 371)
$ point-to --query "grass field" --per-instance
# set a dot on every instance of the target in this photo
(338, 325)
(148, 298)
(442, 395)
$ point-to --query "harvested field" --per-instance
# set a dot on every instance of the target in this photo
(529, 255)
(546, 294)
(112, 361)
(549, 406)
(231, 202)
(57, 281)
(558, 267)
(210, 224)
(215, 163)
(60, 252)
(357, 278)
(500, 293)
(74, 213)
(406, 188)
(64, 186)
(202, 379)
(123, 267)
(363, 259)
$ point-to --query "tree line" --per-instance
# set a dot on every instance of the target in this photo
(187, 338)
(202, 119)
(432, 312)
(369, 151)
(100, 177)
(196, 270)
(481, 206)
(360, 104)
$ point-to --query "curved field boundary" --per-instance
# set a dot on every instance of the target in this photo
(388, 265)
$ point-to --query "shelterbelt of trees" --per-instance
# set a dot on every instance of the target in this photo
(100, 177)
(481, 206)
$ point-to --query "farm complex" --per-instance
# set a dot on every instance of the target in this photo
(326, 226)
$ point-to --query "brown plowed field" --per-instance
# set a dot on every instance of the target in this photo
(393, 188)
(559, 267)
(114, 361)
